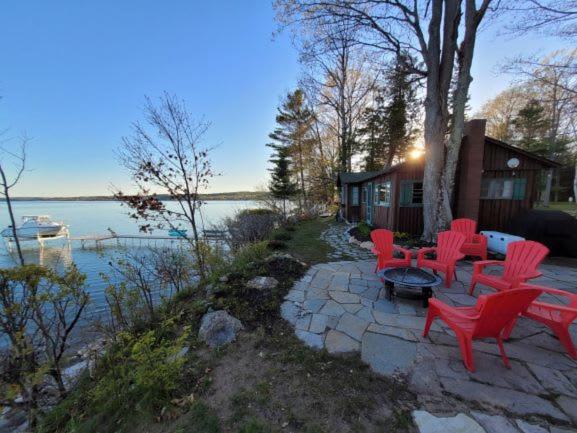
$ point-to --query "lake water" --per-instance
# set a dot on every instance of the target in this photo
(92, 218)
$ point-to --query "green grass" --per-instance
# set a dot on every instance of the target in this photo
(570, 208)
(201, 419)
(306, 243)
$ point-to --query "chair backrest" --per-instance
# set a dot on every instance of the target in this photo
(466, 226)
(449, 243)
(497, 310)
(383, 240)
(523, 257)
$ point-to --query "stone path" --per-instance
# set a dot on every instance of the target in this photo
(340, 307)
(338, 238)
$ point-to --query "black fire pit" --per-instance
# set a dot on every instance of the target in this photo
(409, 283)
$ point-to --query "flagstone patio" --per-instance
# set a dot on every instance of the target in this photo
(341, 307)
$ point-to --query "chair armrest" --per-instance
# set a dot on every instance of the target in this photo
(422, 251)
(521, 278)
(478, 266)
(406, 252)
(480, 239)
(550, 290)
(554, 307)
(451, 311)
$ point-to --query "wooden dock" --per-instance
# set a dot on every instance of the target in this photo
(121, 239)
(208, 235)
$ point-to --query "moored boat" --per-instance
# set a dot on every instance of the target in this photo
(35, 226)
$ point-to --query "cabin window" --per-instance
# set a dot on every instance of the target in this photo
(384, 193)
(355, 196)
(411, 193)
(503, 188)
(364, 195)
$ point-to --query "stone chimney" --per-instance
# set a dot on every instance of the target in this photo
(470, 170)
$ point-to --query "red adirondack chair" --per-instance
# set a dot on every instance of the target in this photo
(384, 247)
(489, 318)
(521, 263)
(475, 244)
(448, 252)
(555, 316)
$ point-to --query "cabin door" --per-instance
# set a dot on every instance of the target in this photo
(369, 205)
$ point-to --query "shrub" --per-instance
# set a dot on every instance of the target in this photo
(250, 225)
(137, 377)
(364, 229)
(282, 236)
(249, 254)
(276, 244)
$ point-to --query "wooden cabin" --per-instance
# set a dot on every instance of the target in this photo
(495, 182)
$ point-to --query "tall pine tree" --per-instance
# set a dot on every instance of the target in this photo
(387, 126)
(281, 185)
(531, 128)
(294, 131)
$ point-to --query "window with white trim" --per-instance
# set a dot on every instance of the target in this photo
(384, 193)
(503, 188)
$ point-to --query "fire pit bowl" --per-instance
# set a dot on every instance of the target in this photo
(409, 282)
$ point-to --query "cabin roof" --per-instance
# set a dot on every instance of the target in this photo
(349, 177)
(525, 153)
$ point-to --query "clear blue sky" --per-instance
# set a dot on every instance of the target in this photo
(73, 75)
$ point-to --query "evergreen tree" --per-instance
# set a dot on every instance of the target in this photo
(387, 126)
(373, 133)
(294, 131)
(281, 185)
(531, 127)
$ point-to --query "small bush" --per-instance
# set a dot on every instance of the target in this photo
(364, 229)
(276, 244)
(250, 225)
(362, 232)
(249, 254)
(282, 236)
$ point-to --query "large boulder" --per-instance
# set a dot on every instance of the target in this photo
(218, 328)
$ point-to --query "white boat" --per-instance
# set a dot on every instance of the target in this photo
(34, 227)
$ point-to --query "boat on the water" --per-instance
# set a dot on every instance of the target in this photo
(178, 233)
(34, 227)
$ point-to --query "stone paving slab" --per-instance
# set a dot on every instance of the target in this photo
(340, 306)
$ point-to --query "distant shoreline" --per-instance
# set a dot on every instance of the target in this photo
(239, 195)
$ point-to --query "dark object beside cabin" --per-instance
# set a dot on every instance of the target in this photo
(556, 230)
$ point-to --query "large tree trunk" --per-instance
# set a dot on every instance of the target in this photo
(460, 96)
(440, 59)
(434, 139)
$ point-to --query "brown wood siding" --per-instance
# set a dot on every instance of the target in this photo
(410, 219)
(498, 214)
(393, 217)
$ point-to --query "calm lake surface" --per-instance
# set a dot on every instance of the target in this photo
(93, 218)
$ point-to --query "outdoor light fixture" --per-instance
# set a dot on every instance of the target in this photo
(513, 163)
